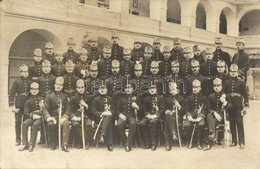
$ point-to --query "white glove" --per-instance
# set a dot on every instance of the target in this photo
(49, 119)
(244, 111)
(83, 72)
(168, 112)
(217, 116)
(36, 117)
(135, 106)
(84, 104)
(123, 117)
(189, 118)
(41, 104)
(54, 120)
(198, 119)
(177, 104)
(106, 113)
(61, 121)
(14, 110)
(223, 99)
(74, 118)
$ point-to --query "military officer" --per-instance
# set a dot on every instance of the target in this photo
(49, 54)
(33, 110)
(55, 103)
(217, 102)
(18, 95)
(127, 66)
(137, 54)
(117, 50)
(69, 79)
(103, 108)
(94, 54)
(58, 68)
(241, 58)
(197, 54)
(196, 111)
(148, 52)
(82, 66)
(153, 106)
(78, 103)
(104, 65)
(70, 54)
(185, 65)
(177, 51)
(35, 71)
(127, 108)
(157, 54)
(93, 82)
(221, 68)
(172, 103)
(219, 54)
(236, 89)
(165, 64)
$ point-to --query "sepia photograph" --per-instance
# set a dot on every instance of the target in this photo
(130, 84)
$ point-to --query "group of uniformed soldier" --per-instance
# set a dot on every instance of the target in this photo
(147, 91)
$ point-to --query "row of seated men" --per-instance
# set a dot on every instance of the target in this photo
(122, 103)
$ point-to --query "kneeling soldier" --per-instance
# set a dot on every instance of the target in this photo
(78, 103)
(126, 109)
(33, 110)
(51, 112)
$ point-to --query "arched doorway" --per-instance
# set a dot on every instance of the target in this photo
(200, 17)
(222, 23)
(249, 24)
(21, 51)
(174, 11)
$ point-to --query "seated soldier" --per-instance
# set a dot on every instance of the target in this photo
(196, 111)
(153, 107)
(173, 103)
(216, 103)
(103, 110)
(126, 109)
(33, 110)
(56, 103)
(78, 103)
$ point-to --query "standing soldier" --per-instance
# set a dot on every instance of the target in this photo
(219, 54)
(137, 55)
(155, 78)
(148, 52)
(103, 109)
(236, 88)
(18, 95)
(177, 51)
(94, 55)
(165, 64)
(70, 54)
(117, 50)
(185, 65)
(78, 103)
(33, 110)
(81, 68)
(49, 54)
(173, 104)
(241, 59)
(153, 106)
(55, 102)
(46, 82)
(127, 66)
(35, 71)
(127, 109)
(157, 54)
(58, 69)
(197, 54)
(221, 68)
(209, 69)
(104, 65)
(217, 102)
(196, 106)
(69, 79)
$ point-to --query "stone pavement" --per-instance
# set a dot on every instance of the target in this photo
(179, 158)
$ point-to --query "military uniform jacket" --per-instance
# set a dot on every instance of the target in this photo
(236, 89)
(104, 68)
(222, 76)
(159, 82)
(146, 67)
(19, 92)
(124, 105)
(75, 108)
(58, 69)
(242, 60)
(93, 85)
(192, 105)
(221, 55)
(177, 55)
(69, 86)
(157, 55)
(140, 85)
(52, 103)
(199, 58)
(35, 70)
(94, 54)
(153, 100)
(170, 103)
(117, 52)
(99, 103)
(208, 69)
(185, 69)
(165, 67)
(181, 84)
(137, 55)
(32, 106)
(214, 103)
(51, 58)
(127, 69)
(46, 83)
(81, 65)
(71, 55)
(190, 79)
(115, 84)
